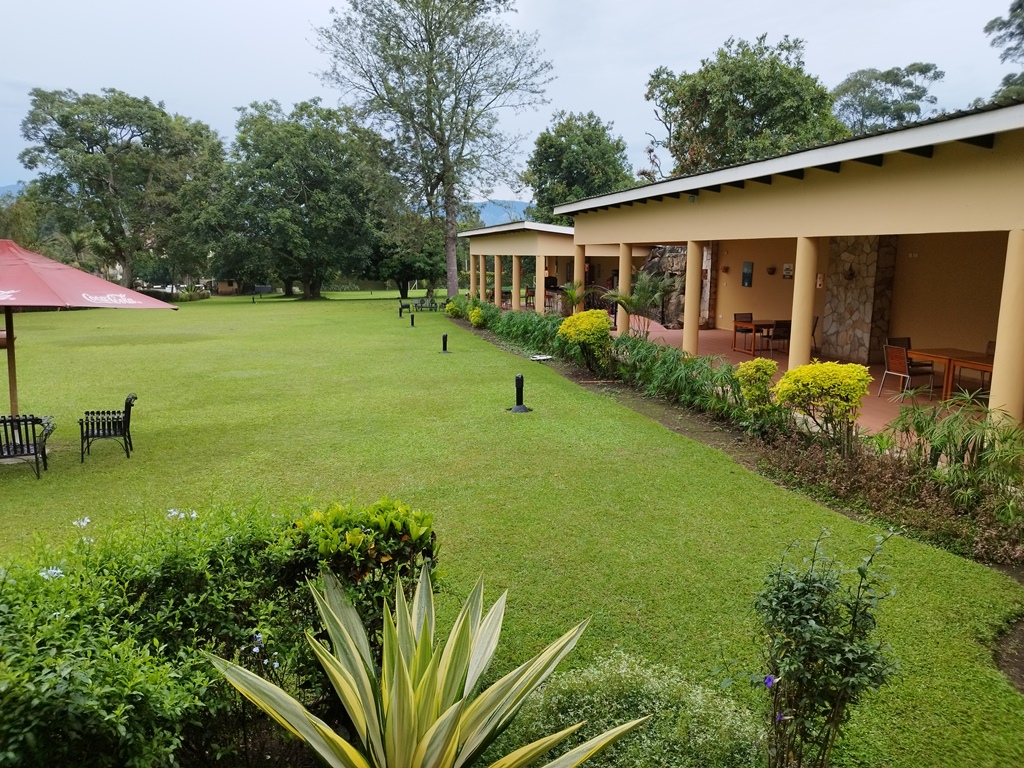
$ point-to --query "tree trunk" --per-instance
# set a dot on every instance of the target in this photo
(451, 236)
(403, 288)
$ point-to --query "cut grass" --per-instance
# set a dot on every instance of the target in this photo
(579, 508)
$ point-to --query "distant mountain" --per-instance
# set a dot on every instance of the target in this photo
(12, 189)
(501, 211)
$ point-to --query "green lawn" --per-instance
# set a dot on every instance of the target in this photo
(579, 508)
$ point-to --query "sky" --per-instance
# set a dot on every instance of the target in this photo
(204, 58)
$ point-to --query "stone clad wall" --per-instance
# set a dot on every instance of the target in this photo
(858, 297)
(881, 315)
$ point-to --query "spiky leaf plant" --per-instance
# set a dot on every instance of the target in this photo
(422, 710)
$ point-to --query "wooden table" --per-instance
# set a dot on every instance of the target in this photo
(756, 327)
(952, 358)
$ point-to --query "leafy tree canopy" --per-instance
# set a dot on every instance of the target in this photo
(116, 163)
(576, 157)
(749, 102)
(304, 197)
(1007, 32)
(873, 99)
(434, 75)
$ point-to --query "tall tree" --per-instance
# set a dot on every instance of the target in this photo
(576, 157)
(301, 196)
(117, 160)
(749, 102)
(873, 99)
(436, 75)
(1007, 32)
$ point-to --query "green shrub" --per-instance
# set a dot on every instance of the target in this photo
(476, 317)
(529, 330)
(457, 307)
(975, 453)
(100, 641)
(821, 653)
(829, 395)
(706, 383)
(586, 338)
(764, 417)
(370, 549)
(690, 725)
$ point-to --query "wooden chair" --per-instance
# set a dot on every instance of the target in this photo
(779, 334)
(917, 367)
(896, 364)
(23, 438)
(744, 317)
(117, 425)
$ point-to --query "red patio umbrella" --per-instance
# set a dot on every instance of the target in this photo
(30, 280)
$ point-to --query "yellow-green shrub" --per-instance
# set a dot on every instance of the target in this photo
(587, 337)
(476, 317)
(829, 394)
(755, 377)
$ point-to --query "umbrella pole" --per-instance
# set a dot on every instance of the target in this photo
(12, 376)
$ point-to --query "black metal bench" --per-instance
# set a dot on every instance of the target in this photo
(23, 438)
(403, 304)
(117, 425)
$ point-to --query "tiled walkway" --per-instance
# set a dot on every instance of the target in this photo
(875, 412)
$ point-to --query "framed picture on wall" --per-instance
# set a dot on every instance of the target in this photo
(787, 271)
(747, 278)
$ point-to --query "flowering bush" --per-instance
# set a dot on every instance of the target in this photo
(587, 337)
(101, 640)
(821, 653)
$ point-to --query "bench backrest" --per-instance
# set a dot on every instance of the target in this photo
(18, 435)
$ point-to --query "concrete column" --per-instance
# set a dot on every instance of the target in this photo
(1008, 368)
(497, 281)
(625, 285)
(483, 278)
(579, 273)
(472, 275)
(691, 309)
(804, 274)
(538, 287)
(517, 281)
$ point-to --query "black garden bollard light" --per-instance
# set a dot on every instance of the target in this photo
(412, 320)
(444, 343)
(519, 407)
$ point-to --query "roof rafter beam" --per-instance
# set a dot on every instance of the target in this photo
(762, 179)
(986, 141)
(875, 160)
(927, 150)
(830, 167)
(796, 173)
(738, 184)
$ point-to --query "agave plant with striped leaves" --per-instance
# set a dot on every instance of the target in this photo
(423, 709)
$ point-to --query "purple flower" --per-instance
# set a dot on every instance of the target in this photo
(769, 681)
(778, 718)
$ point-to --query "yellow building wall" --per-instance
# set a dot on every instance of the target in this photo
(947, 287)
(770, 297)
(961, 188)
(527, 242)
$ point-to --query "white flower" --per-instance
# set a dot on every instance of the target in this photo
(255, 649)
(81, 523)
(192, 514)
(52, 573)
(172, 513)
(88, 540)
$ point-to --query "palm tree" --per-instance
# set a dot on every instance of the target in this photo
(575, 293)
(648, 290)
